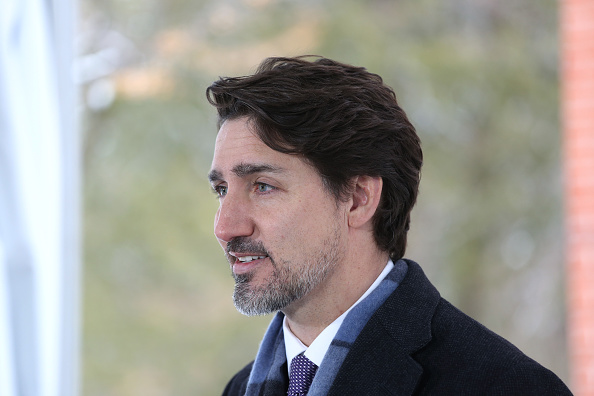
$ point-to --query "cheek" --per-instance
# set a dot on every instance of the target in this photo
(281, 230)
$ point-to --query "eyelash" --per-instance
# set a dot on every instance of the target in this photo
(218, 190)
(260, 184)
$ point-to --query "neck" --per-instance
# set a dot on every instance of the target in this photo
(344, 285)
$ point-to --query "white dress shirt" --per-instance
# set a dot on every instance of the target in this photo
(316, 351)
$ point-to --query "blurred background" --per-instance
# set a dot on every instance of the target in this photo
(479, 80)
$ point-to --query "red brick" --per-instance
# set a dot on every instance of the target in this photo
(577, 72)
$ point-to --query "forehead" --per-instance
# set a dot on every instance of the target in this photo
(238, 135)
(238, 144)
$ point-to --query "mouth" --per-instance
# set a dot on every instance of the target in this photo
(242, 263)
(248, 259)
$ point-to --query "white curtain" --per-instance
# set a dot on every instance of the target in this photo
(39, 200)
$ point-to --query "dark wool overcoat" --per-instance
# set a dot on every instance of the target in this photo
(417, 343)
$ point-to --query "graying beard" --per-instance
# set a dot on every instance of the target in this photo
(284, 286)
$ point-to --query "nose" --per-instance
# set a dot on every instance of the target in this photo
(233, 219)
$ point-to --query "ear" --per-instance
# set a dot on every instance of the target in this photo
(365, 200)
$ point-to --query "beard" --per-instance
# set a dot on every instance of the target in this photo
(288, 282)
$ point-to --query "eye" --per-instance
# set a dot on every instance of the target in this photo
(220, 191)
(264, 188)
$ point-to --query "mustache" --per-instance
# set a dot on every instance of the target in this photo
(246, 245)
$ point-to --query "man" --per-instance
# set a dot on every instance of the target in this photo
(317, 169)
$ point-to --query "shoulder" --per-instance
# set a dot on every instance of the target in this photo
(237, 385)
(470, 357)
(455, 353)
(528, 378)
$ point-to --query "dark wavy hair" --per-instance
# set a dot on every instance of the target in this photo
(343, 120)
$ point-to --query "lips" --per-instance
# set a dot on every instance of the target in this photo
(245, 262)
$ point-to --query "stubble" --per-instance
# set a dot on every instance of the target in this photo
(289, 281)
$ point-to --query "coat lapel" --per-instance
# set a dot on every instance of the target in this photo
(380, 362)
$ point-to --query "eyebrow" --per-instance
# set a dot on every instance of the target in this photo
(243, 170)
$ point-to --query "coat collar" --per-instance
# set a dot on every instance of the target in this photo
(380, 360)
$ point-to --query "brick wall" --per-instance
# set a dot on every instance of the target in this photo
(577, 42)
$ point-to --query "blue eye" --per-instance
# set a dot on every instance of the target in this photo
(263, 187)
(220, 191)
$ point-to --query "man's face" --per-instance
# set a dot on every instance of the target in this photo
(282, 232)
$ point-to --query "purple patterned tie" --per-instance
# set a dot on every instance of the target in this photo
(302, 373)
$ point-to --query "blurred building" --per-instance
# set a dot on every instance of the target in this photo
(577, 26)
